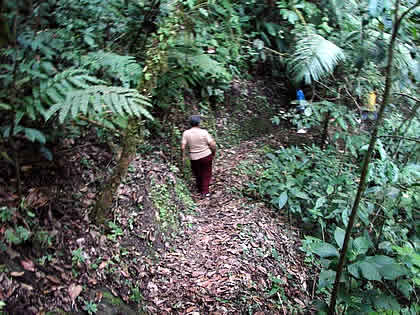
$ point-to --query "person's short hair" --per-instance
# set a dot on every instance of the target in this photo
(194, 120)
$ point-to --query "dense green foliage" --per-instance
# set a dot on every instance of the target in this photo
(317, 187)
(65, 62)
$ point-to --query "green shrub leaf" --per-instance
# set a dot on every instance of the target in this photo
(282, 200)
(324, 250)
(339, 236)
(369, 271)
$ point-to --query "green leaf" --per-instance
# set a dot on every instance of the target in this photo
(84, 101)
(273, 291)
(369, 271)
(54, 95)
(89, 40)
(258, 44)
(301, 194)
(271, 28)
(5, 106)
(320, 202)
(354, 270)
(46, 153)
(324, 250)
(64, 110)
(18, 117)
(326, 278)
(373, 8)
(393, 271)
(342, 123)
(203, 12)
(330, 190)
(35, 135)
(339, 236)
(52, 110)
(116, 103)
(361, 245)
(404, 287)
(75, 101)
(385, 303)
(290, 15)
(282, 200)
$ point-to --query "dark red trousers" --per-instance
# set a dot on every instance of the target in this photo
(202, 171)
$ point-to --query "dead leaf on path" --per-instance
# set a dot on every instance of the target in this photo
(74, 291)
(190, 309)
(299, 301)
(125, 273)
(92, 281)
(103, 265)
(12, 253)
(26, 286)
(53, 279)
(36, 198)
(98, 297)
(28, 265)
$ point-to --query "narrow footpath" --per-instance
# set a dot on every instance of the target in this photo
(233, 256)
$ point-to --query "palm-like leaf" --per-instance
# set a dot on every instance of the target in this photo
(119, 100)
(125, 68)
(313, 58)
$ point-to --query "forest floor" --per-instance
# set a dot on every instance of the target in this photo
(234, 254)
(165, 250)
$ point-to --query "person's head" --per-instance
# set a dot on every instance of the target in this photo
(195, 120)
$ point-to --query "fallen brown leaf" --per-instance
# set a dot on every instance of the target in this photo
(28, 265)
(74, 291)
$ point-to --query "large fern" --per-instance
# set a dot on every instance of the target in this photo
(73, 79)
(124, 68)
(314, 57)
(97, 99)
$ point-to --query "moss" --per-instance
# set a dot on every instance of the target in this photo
(169, 199)
(113, 300)
(57, 312)
(184, 195)
(163, 202)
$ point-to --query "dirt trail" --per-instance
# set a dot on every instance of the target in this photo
(232, 256)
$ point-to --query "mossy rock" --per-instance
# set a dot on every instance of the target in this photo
(113, 305)
(58, 312)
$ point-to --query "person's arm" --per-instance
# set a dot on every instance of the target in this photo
(212, 145)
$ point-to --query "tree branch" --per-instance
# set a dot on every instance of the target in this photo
(408, 96)
(400, 137)
(98, 124)
(408, 11)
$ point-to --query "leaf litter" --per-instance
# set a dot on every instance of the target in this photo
(230, 255)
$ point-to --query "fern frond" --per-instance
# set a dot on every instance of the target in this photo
(314, 57)
(55, 90)
(116, 103)
(124, 68)
(64, 110)
(121, 101)
(203, 62)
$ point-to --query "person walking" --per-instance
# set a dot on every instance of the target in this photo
(202, 149)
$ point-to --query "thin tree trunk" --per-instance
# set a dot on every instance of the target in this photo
(156, 65)
(104, 202)
(409, 121)
(367, 158)
(325, 130)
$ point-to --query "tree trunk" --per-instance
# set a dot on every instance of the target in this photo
(130, 142)
(156, 64)
(325, 130)
(367, 158)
